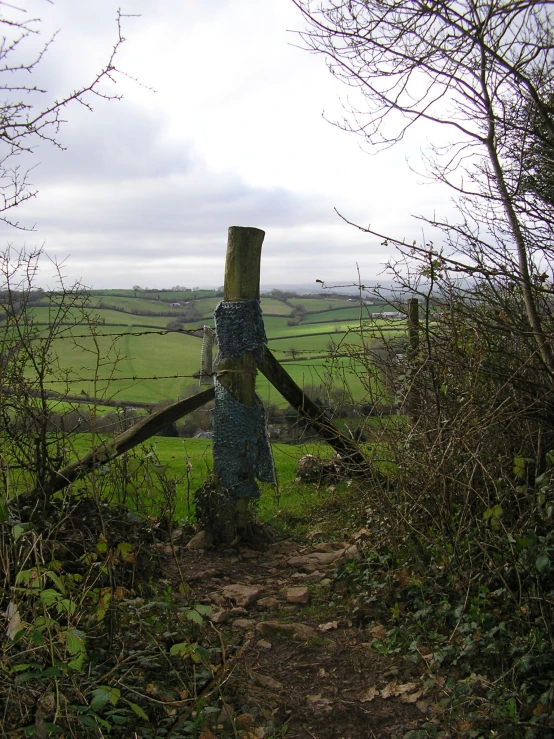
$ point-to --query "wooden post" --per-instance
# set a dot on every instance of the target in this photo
(413, 343)
(413, 324)
(242, 282)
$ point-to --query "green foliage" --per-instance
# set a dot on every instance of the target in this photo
(61, 621)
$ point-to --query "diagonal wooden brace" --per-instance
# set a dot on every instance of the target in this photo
(138, 433)
(283, 382)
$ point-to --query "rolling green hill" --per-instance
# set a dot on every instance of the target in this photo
(133, 363)
(343, 314)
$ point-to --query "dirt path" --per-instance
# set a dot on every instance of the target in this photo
(306, 670)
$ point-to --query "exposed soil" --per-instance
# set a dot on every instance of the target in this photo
(305, 670)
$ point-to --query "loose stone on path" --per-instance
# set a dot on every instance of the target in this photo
(243, 595)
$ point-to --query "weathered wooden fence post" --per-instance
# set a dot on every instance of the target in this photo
(414, 404)
(240, 446)
(413, 325)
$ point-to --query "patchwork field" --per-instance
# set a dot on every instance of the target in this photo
(127, 361)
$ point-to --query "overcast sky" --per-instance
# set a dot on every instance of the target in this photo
(233, 135)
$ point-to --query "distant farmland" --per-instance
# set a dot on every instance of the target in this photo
(133, 359)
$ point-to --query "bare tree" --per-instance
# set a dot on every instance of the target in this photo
(27, 117)
(483, 71)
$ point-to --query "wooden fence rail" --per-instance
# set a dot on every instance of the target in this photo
(283, 382)
(137, 434)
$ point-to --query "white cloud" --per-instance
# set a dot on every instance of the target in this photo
(234, 136)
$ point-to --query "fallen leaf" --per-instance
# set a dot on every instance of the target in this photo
(479, 681)
(412, 697)
(369, 695)
(436, 709)
(378, 631)
(403, 577)
(319, 702)
(406, 688)
(267, 682)
(41, 732)
(423, 706)
(244, 721)
(10, 610)
(465, 725)
(389, 690)
(322, 673)
(328, 626)
(314, 698)
(206, 734)
(15, 620)
(393, 689)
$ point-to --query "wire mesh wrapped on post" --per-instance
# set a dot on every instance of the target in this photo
(241, 447)
(240, 328)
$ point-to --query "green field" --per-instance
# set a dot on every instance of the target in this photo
(329, 329)
(344, 314)
(270, 306)
(314, 343)
(273, 307)
(339, 373)
(132, 363)
(189, 462)
(314, 305)
(163, 365)
(140, 304)
(43, 315)
(276, 325)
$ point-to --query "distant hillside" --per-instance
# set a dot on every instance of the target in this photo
(147, 343)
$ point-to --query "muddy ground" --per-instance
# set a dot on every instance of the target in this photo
(302, 664)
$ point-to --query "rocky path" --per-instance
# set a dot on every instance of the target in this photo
(306, 668)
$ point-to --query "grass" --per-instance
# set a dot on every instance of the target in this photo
(140, 304)
(270, 307)
(141, 367)
(99, 316)
(189, 461)
(329, 329)
(273, 307)
(162, 370)
(314, 344)
(351, 314)
(164, 365)
(317, 372)
(276, 325)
